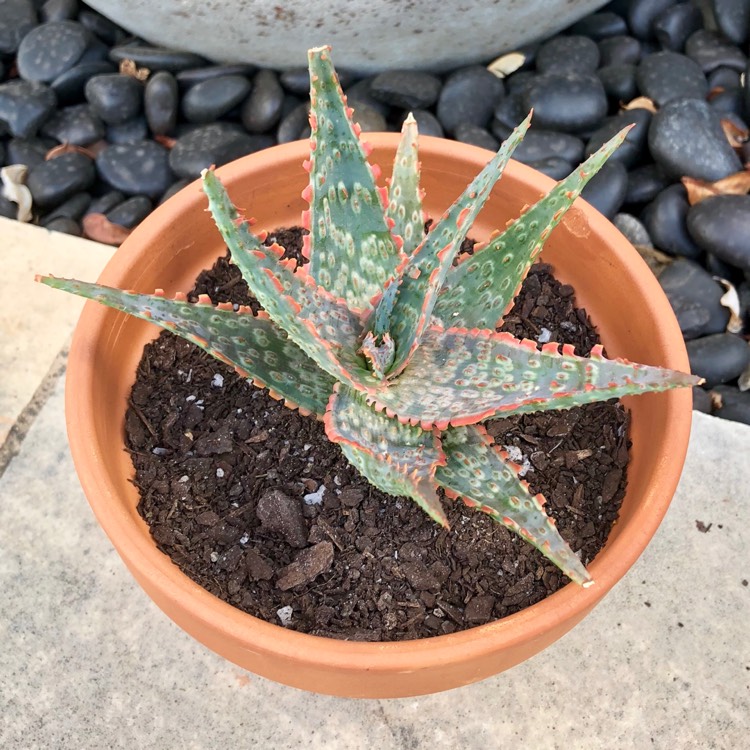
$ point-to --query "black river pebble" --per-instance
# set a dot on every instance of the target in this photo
(115, 98)
(262, 109)
(161, 103)
(710, 50)
(695, 298)
(718, 358)
(686, 138)
(156, 58)
(50, 49)
(53, 181)
(24, 106)
(570, 102)
(130, 212)
(674, 25)
(408, 89)
(76, 124)
(18, 17)
(619, 50)
(568, 54)
(209, 100)
(666, 220)
(468, 96)
(136, 168)
(721, 225)
(606, 190)
(733, 19)
(735, 404)
(669, 75)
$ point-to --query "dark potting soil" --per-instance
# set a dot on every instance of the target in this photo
(231, 483)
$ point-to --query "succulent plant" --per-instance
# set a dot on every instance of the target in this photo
(387, 340)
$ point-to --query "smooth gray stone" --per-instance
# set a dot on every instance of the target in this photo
(18, 17)
(726, 78)
(702, 401)
(69, 86)
(59, 10)
(8, 209)
(469, 95)
(619, 50)
(408, 89)
(718, 358)
(675, 24)
(174, 188)
(666, 76)
(733, 19)
(735, 404)
(161, 102)
(686, 138)
(642, 15)
(28, 151)
(55, 180)
(730, 102)
(65, 225)
(209, 100)
(115, 98)
(634, 230)
(110, 33)
(370, 120)
(25, 105)
(50, 49)
(130, 212)
(519, 81)
(217, 143)
(360, 92)
(666, 220)
(606, 190)
(619, 82)
(645, 183)
(105, 202)
(97, 51)
(73, 208)
(634, 144)
(508, 113)
(571, 54)
(552, 166)
(541, 144)
(156, 58)
(695, 298)
(293, 124)
(296, 81)
(570, 102)
(76, 124)
(600, 25)
(710, 50)
(262, 109)
(476, 136)
(721, 225)
(188, 78)
(132, 131)
(136, 168)
(427, 123)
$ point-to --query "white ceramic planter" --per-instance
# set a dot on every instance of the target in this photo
(366, 35)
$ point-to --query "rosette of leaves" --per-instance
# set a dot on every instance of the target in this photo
(387, 340)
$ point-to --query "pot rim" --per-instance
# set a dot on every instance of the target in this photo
(148, 563)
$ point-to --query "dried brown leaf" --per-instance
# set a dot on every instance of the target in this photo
(506, 64)
(641, 102)
(734, 133)
(731, 300)
(735, 184)
(13, 188)
(129, 68)
(99, 228)
(68, 148)
(166, 141)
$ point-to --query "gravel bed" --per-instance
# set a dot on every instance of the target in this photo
(98, 127)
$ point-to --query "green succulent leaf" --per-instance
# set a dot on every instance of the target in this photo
(320, 324)
(424, 273)
(472, 375)
(405, 195)
(351, 249)
(480, 289)
(482, 474)
(398, 459)
(253, 345)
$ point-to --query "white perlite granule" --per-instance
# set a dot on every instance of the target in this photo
(315, 498)
(515, 454)
(285, 615)
(218, 380)
(220, 473)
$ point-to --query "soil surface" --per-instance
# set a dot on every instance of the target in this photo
(253, 502)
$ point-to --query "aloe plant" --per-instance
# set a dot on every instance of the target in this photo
(387, 340)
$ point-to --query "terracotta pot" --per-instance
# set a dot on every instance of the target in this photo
(179, 239)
